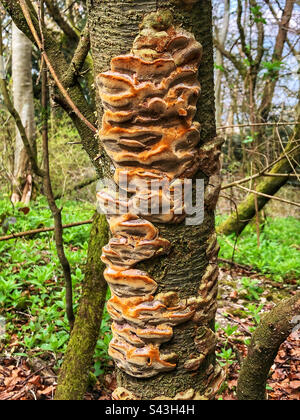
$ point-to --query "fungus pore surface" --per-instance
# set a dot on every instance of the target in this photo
(148, 130)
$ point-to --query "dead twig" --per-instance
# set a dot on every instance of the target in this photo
(42, 230)
(282, 200)
(226, 127)
(235, 264)
(263, 172)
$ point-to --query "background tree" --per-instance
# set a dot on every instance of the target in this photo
(24, 104)
(221, 36)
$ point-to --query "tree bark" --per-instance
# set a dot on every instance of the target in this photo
(274, 329)
(271, 82)
(23, 103)
(190, 269)
(74, 374)
(220, 62)
(245, 212)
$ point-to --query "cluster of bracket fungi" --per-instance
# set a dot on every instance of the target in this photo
(149, 98)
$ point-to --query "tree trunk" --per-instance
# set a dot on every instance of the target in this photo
(272, 79)
(245, 212)
(190, 270)
(220, 62)
(23, 102)
(74, 375)
(274, 329)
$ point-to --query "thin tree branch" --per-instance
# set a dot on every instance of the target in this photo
(51, 69)
(260, 39)
(56, 56)
(231, 57)
(263, 172)
(286, 154)
(270, 85)
(245, 49)
(78, 59)
(56, 15)
(258, 125)
(271, 197)
(42, 230)
(79, 186)
(56, 212)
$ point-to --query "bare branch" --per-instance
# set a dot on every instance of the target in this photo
(245, 49)
(42, 230)
(258, 125)
(51, 69)
(78, 59)
(56, 212)
(231, 57)
(61, 22)
(270, 197)
(281, 38)
(263, 172)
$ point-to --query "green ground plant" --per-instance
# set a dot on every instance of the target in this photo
(278, 255)
(32, 295)
(251, 289)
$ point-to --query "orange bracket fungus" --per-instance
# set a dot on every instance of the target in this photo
(148, 130)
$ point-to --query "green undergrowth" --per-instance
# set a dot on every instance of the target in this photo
(32, 295)
(278, 255)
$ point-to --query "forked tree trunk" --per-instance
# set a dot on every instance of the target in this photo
(23, 102)
(190, 269)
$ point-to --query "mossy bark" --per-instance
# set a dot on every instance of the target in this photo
(271, 333)
(113, 26)
(245, 212)
(74, 375)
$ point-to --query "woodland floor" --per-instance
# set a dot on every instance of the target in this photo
(34, 336)
(35, 379)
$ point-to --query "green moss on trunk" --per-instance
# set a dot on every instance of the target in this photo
(74, 375)
(272, 332)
